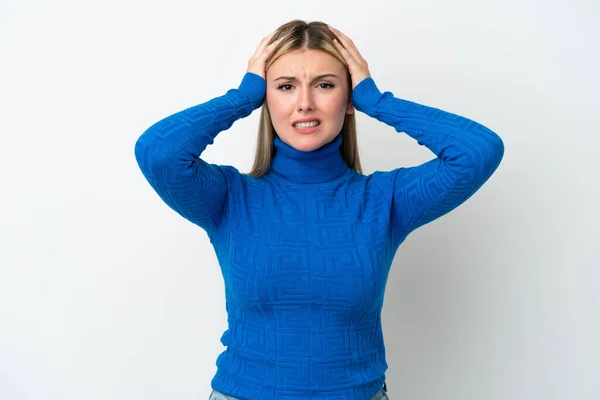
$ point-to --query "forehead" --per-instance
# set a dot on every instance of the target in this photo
(306, 63)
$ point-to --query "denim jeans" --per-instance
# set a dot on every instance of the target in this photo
(381, 395)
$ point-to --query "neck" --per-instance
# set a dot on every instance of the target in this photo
(319, 165)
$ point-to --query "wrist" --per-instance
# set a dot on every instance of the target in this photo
(366, 95)
(254, 86)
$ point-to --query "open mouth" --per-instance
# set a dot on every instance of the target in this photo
(306, 125)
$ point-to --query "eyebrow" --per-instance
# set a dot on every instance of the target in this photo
(316, 78)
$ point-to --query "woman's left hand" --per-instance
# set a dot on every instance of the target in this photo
(357, 65)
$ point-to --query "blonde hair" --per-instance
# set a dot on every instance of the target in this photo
(299, 35)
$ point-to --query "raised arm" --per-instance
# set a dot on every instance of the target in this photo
(467, 152)
(168, 153)
(467, 155)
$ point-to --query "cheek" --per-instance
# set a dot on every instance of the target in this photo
(281, 107)
(333, 105)
(278, 106)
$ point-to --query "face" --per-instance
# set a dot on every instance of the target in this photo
(308, 84)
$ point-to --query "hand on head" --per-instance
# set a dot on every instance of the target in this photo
(256, 64)
(357, 65)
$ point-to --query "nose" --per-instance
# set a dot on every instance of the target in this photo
(305, 100)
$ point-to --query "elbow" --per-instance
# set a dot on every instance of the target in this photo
(492, 158)
(483, 162)
(496, 153)
(146, 156)
(141, 150)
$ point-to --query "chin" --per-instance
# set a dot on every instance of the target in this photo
(307, 143)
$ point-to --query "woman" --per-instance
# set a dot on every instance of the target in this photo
(305, 241)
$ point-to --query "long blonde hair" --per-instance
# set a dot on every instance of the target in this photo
(299, 35)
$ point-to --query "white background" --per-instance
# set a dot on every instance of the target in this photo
(106, 293)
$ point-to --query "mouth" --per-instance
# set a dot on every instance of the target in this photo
(307, 126)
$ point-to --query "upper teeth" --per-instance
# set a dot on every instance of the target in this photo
(306, 124)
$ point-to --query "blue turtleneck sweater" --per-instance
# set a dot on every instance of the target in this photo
(305, 250)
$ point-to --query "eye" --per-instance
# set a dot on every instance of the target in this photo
(286, 87)
(280, 87)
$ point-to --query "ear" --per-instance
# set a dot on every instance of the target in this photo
(350, 107)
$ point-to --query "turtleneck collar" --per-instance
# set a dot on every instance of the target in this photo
(319, 165)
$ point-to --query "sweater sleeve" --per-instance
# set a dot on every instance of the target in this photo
(467, 155)
(168, 153)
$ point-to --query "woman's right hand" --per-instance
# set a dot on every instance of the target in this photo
(256, 64)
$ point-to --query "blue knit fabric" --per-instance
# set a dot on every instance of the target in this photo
(305, 250)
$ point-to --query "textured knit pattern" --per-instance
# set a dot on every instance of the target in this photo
(305, 251)
(216, 395)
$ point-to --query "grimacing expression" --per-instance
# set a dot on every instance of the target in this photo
(308, 84)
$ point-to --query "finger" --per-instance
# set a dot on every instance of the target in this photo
(345, 40)
(340, 46)
(269, 36)
(350, 58)
(276, 41)
(264, 41)
(269, 48)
